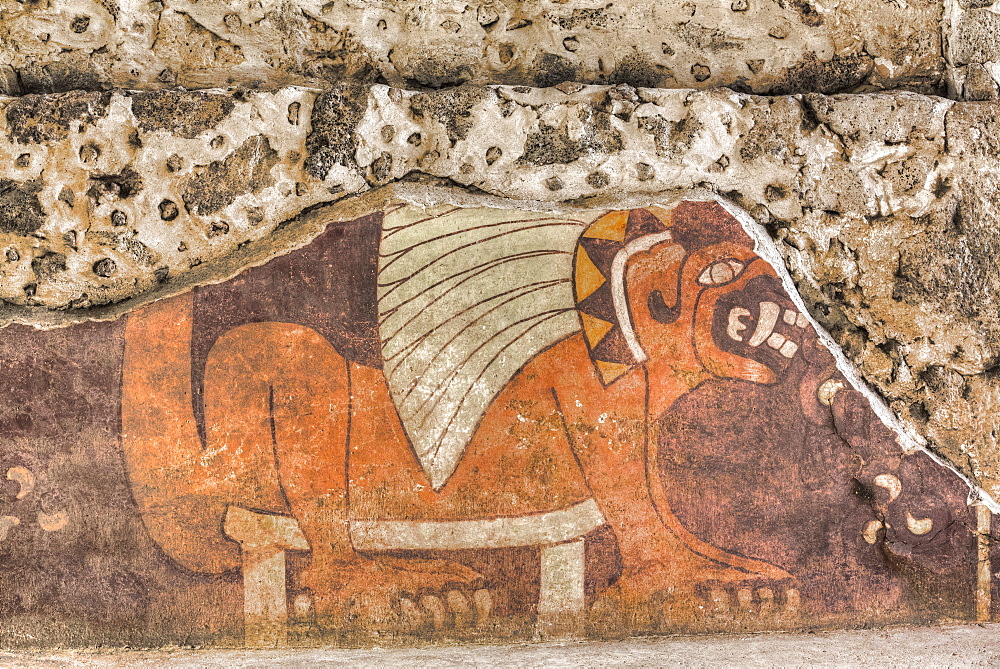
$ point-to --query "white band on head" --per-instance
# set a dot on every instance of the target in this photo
(618, 288)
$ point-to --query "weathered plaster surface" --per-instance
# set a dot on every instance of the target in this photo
(763, 46)
(150, 147)
(881, 203)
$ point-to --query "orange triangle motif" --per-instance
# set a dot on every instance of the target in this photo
(610, 371)
(610, 226)
(588, 277)
(595, 328)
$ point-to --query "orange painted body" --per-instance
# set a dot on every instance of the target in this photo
(291, 427)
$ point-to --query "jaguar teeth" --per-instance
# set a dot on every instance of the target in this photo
(782, 345)
(764, 332)
(769, 312)
(736, 325)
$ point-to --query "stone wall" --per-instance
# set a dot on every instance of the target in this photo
(151, 148)
(759, 46)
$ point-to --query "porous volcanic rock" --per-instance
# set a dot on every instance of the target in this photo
(760, 46)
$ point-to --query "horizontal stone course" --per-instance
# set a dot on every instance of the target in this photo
(754, 45)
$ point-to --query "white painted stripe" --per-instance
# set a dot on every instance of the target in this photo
(618, 288)
(984, 566)
(562, 581)
(538, 529)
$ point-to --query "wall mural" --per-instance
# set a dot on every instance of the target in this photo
(466, 422)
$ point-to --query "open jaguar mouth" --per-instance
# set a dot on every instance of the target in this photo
(760, 323)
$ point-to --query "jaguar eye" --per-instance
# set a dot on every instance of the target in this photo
(721, 272)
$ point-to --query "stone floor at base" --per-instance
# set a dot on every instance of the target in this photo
(952, 646)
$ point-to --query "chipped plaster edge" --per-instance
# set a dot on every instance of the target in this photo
(313, 221)
(909, 439)
(295, 233)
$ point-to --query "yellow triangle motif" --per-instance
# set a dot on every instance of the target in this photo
(595, 328)
(610, 371)
(664, 215)
(588, 277)
(610, 226)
